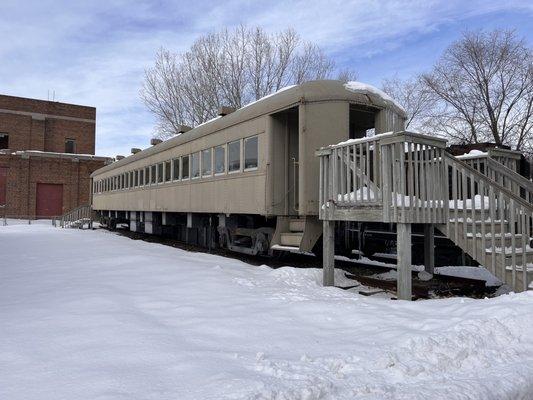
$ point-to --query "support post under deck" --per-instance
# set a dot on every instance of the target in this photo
(328, 244)
(429, 248)
(404, 282)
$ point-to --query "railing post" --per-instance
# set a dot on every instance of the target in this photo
(404, 284)
(429, 248)
(328, 243)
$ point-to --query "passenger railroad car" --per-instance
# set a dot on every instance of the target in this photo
(246, 180)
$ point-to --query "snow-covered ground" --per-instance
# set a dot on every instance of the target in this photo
(92, 315)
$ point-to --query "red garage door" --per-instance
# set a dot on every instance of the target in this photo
(49, 201)
(3, 181)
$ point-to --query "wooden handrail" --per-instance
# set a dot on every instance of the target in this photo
(489, 181)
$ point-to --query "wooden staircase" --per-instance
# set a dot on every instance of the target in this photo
(407, 178)
(490, 218)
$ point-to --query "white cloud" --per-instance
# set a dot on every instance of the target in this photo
(95, 52)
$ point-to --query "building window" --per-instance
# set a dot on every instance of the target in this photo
(160, 173)
(185, 167)
(153, 174)
(168, 169)
(4, 141)
(220, 160)
(206, 162)
(70, 146)
(250, 153)
(234, 156)
(176, 169)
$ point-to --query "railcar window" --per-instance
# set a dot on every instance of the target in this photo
(185, 167)
(234, 156)
(250, 152)
(160, 173)
(135, 178)
(220, 160)
(167, 171)
(206, 162)
(195, 165)
(153, 173)
(176, 169)
(142, 174)
(131, 179)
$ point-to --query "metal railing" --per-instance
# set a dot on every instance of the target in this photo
(76, 218)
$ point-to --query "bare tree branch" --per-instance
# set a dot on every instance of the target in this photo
(228, 68)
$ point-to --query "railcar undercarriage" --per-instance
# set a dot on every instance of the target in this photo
(253, 235)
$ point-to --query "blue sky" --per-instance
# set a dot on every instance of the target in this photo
(95, 52)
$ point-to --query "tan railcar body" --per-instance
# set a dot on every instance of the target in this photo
(323, 118)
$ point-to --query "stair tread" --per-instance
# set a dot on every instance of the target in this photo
(478, 221)
(497, 235)
(518, 251)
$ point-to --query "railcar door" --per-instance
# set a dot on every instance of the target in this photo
(292, 166)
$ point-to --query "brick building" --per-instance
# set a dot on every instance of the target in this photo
(46, 156)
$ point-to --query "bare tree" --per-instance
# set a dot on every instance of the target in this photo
(231, 67)
(485, 84)
(419, 103)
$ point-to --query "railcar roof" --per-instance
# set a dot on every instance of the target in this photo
(313, 91)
